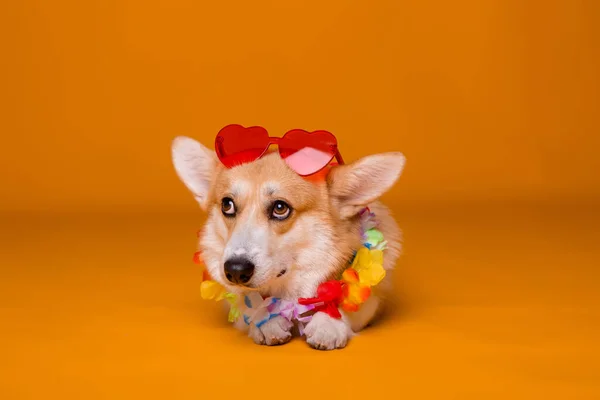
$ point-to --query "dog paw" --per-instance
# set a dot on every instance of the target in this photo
(273, 332)
(326, 333)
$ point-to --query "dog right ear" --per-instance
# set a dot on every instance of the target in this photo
(195, 165)
(354, 186)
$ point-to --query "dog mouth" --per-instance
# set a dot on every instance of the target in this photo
(281, 273)
(253, 287)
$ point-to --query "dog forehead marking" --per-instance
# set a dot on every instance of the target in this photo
(240, 187)
(269, 188)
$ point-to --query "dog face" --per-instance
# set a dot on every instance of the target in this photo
(271, 230)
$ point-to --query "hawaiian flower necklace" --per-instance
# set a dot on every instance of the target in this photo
(348, 292)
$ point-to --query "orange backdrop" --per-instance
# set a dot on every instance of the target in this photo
(488, 99)
(492, 101)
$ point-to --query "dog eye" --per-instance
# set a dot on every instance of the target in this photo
(281, 210)
(228, 207)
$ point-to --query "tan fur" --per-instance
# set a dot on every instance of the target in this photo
(313, 245)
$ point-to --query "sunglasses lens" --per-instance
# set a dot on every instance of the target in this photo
(307, 153)
(237, 145)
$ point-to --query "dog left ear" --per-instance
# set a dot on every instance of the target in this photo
(355, 185)
(195, 165)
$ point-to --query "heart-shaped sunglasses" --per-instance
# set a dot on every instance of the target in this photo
(305, 152)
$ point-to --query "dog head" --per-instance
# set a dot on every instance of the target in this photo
(271, 230)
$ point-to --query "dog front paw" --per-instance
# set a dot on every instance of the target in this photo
(274, 332)
(326, 333)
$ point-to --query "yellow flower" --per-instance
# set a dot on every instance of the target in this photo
(366, 271)
(211, 290)
(369, 266)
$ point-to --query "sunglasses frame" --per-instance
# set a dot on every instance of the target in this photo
(275, 140)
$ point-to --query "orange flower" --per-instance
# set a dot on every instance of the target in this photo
(366, 271)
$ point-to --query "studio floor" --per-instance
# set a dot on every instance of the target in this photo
(492, 303)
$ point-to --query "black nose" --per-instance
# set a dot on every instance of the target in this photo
(239, 270)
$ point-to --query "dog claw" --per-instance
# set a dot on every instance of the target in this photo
(326, 333)
(278, 341)
(324, 347)
(273, 333)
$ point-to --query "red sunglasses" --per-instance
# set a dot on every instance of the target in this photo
(305, 152)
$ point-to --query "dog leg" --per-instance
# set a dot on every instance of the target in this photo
(239, 324)
(326, 333)
(273, 332)
(368, 311)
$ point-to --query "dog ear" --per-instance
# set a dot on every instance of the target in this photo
(195, 166)
(355, 185)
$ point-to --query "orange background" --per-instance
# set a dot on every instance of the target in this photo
(488, 99)
(494, 103)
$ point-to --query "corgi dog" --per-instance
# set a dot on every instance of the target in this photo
(272, 231)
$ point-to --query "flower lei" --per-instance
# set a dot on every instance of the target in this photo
(348, 292)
